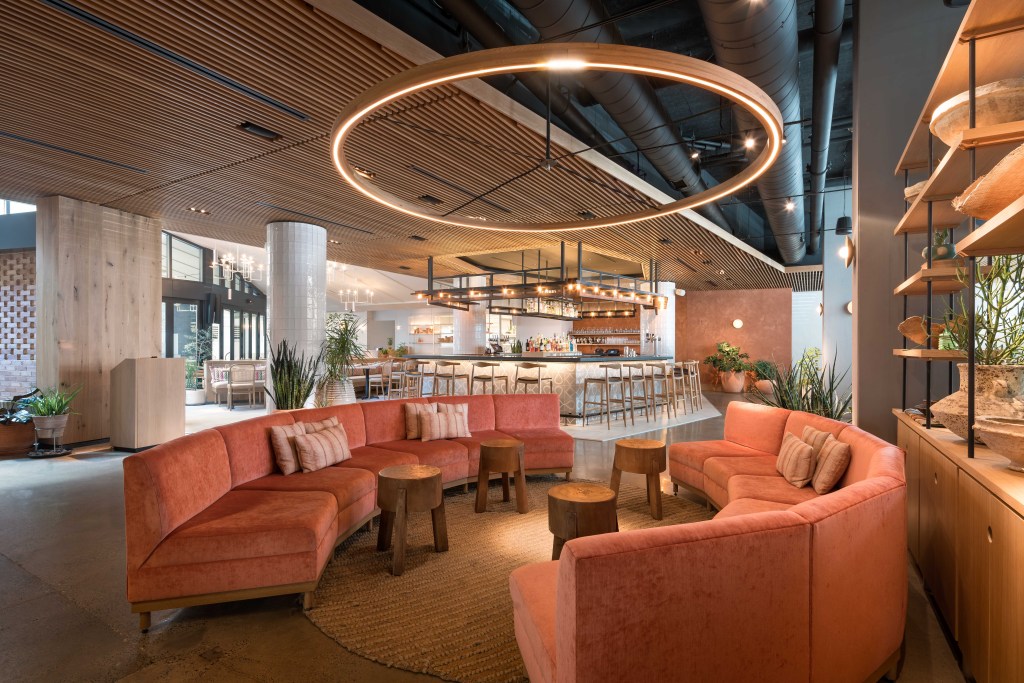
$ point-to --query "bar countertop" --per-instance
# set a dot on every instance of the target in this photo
(521, 357)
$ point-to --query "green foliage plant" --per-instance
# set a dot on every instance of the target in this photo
(810, 388)
(998, 312)
(341, 345)
(728, 358)
(52, 402)
(191, 370)
(764, 369)
(293, 376)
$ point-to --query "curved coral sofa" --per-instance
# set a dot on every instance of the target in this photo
(783, 585)
(209, 519)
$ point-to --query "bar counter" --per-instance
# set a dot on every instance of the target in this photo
(567, 372)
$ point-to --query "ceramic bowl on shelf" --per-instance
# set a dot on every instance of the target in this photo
(1005, 436)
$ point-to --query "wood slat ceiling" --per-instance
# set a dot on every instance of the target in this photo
(127, 128)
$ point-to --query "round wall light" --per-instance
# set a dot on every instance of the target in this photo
(560, 57)
(849, 307)
(737, 323)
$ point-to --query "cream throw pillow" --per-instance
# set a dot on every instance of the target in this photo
(796, 461)
(281, 439)
(312, 427)
(322, 449)
(832, 463)
(815, 438)
(413, 411)
(448, 424)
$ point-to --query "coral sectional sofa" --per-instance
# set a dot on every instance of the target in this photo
(782, 585)
(210, 519)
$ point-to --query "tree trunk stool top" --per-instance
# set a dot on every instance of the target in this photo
(403, 489)
(641, 456)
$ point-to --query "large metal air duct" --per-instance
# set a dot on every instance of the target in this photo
(828, 33)
(628, 99)
(759, 42)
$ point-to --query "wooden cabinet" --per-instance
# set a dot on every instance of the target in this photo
(147, 402)
(973, 565)
(909, 441)
(938, 528)
(1006, 594)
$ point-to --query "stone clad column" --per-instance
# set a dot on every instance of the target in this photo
(297, 285)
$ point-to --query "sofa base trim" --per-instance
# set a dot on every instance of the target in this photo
(679, 483)
(307, 588)
(891, 668)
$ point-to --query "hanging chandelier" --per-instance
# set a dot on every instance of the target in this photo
(337, 274)
(558, 58)
(230, 264)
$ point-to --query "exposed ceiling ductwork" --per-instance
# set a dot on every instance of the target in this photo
(828, 33)
(628, 99)
(759, 42)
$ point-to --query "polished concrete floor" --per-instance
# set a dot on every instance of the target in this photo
(63, 614)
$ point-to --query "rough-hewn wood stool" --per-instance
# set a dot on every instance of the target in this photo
(576, 510)
(505, 456)
(641, 456)
(403, 489)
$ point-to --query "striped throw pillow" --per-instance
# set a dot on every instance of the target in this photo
(796, 461)
(815, 438)
(450, 424)
(413, 411)
(281, 439)
(312, 427)
(832, 463)
(322, 449)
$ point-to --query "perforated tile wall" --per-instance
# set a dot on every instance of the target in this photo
(17, 322)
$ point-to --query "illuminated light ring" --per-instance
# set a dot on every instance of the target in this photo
(562, 57)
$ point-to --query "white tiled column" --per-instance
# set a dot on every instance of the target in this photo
(661, 324)
(297, 293)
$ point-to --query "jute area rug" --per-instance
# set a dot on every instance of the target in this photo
(450, 614)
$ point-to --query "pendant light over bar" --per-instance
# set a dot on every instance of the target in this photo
(560, 58)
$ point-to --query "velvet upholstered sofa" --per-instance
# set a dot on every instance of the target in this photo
(209, 518)
(782, 585)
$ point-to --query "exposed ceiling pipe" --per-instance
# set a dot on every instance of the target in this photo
(759, 42)
(828, 32)
(628, 99)
(490, 35)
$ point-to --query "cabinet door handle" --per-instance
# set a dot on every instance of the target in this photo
(990, 534)
(936, 477)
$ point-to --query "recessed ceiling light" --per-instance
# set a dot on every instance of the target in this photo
(429, 199)
(194, 209)
(404, 268)
(721, 272)
(260, 131)
(665, 240)
(418, 238)
(334, 241)
(706, 262)
(369, 175)
(586, 215)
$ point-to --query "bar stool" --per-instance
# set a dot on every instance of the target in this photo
(635, 378)
(691, 371)
(446, 371)
(415, 379)
(612, 378)
(396, 378)
(486, 376)
(660, 376)
(376, 380)
(537, 381)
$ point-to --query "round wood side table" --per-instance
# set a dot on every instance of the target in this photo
(505, 456)
(580, 509)
(403, 489)
(641, 456)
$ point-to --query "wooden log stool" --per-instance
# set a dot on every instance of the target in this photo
(403, 489)
(641, 456)
(505, 456)
(576, 510)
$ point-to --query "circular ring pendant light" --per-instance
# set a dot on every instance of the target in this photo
(561, 58)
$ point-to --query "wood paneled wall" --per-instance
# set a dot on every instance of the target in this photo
(98, 302)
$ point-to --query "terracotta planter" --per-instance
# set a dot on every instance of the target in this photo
(1005, 436)
(733, 382)
(16, 439)
(997, 393)
(50, 427)
(765, 386)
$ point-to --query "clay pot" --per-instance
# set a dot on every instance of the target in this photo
(1005, 436)
(764, 386)
(997, 102)
(50, 428)
(733, 382)
(997, 393)
(16, 439)
(913, 329)
(940, 252)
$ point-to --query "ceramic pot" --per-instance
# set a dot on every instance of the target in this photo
(940, 252)
(16, 439)
(1005, 436)
(733, 382)
(50, 427)
(195, 397)
(997, 393)
(765, 386)
(340, 393)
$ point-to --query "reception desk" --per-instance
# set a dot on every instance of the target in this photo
(567, 372)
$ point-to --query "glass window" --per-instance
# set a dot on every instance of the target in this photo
(215, 341)
(163, 331)
(236, 334)
(165, 255)
(225, 334)
(186, 321)
(186, 261)
(18, 207)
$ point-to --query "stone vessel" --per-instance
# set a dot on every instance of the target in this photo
(998, 391)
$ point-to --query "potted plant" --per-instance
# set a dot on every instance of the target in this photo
(50, 411)
(194, 396)
(764, 372)
(731, 364)
(942, 248)
(998, 345)
(341, 351)
(292, 376)
(16, 432)
(810, 387)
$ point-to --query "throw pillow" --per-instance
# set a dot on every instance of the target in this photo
(322, 449)
(450, 424)
(281, 439)
(832, 463)
(815, 438)
(312, 427)
(412, 417)
(796, 461)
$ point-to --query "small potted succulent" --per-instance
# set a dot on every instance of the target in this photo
(194, 395)
(50, 411)
(16, 432)
(764, 373)
(732, 366)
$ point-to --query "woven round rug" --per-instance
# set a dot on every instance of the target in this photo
(450, 614)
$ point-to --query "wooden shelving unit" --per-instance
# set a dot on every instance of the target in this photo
(1002, 234)
(943, 276)
(930, 354)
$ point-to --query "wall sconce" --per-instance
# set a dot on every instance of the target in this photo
(737, 323)
(847, 252)
(849, 307)
(821, 309)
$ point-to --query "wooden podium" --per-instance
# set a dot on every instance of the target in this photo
(147, 402)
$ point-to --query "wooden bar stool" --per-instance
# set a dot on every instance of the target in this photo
(486, 376)
(396, 378)
(661, 385)
(402, 489)
(505, 456)
(416, 375)
(612, 379)
(537, 381)
(641, 456)
(691, 370)
(447, 377)
(635, 379)
(577, 510)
